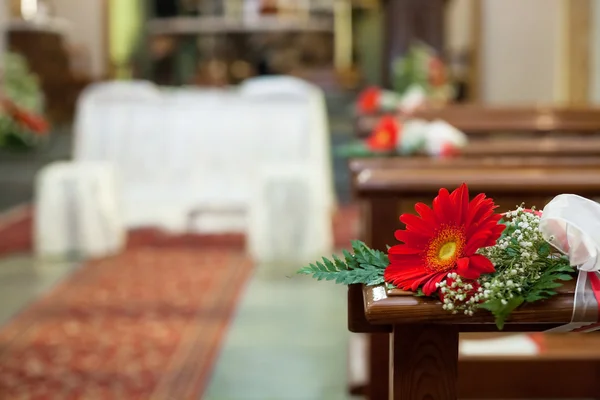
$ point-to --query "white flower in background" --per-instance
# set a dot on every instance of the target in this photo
(440, 135)
(414, 97)
(412, 139)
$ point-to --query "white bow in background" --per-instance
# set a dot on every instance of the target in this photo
(571, 223)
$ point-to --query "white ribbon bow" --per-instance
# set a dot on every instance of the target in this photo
(571, 223)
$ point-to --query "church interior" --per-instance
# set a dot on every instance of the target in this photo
(434, 163)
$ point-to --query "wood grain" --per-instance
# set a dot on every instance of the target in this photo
(478, 119)
(515, 181)
(381, 308)
(550, 162)
(382, 217)
(535, 378)
(425, 362)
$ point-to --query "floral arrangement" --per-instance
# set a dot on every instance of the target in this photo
(422, 66)
(461, 252)
(393, 137)
(21, 101)
(419, 78)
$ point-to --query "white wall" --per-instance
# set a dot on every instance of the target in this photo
(87, 28)
(521, 51)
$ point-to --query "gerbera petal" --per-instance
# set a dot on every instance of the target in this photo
(477, 208)
(425, 212)
(430, 286)
(477, 241)
(460, 199)
(407, 278)
(412, 239)
(483, 216)
(408, 259)
(495, 233)
(403, 249)
(463, 268)
(442, 206)
(481, 263)
(416, 224)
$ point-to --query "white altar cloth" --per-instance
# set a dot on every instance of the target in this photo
(188, 151)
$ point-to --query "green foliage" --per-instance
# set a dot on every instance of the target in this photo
(558, 270)
(501, 310)
(22, 87)
(364, 265)
(526, 268)
(412, 68)
(356, 149)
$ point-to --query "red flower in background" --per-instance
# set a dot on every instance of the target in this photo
(31, 121)
(369, 100)
(449, 150)
(444, 239)
(437, 72)
(385, 135)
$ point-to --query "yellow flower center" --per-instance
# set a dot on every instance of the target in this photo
(445, 248)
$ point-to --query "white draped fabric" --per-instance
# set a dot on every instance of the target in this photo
(571, 224)
(78, 211)
(191, 152)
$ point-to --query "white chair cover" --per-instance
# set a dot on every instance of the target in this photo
(91, 128)
(78, 211)
(287, 222)
(318, 124)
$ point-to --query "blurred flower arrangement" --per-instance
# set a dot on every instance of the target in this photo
(396, 137)
(419, 78)
(463, 253)
(22, 125)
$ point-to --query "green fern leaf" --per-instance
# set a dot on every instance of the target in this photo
(365, 266)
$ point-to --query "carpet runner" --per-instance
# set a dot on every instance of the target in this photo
(146, 324)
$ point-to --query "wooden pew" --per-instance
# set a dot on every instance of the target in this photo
(425, 362)
(388, 187)
(480, 120)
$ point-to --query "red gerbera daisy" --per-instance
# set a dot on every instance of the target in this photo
(444, 239)
(369, 100)
(385, 135)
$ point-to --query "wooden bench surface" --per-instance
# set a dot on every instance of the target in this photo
(523, 181)
(357, 165)
(392, 307)
(479, 119)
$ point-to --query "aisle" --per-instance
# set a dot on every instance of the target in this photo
(288, 342)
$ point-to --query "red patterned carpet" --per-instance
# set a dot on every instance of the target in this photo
(143, 325)
(146, 324)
